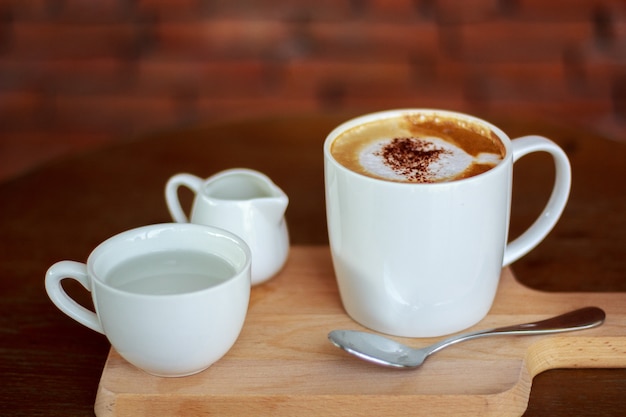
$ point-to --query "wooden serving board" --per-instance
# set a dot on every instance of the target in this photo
(283, 364)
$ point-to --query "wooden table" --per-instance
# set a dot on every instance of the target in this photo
(51, 365)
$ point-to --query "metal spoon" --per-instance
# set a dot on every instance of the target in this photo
(383, 351)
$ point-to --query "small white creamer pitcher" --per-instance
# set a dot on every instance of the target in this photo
(244, 202)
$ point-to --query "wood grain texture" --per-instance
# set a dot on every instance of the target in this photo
(283, 364)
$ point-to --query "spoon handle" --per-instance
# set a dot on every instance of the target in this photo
(584, 318)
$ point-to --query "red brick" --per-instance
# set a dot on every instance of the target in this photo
(466, 11)
(416, 100)
(303, 77)
(373, 40)
(579, 111)
(221, 78)
(619, 33)
(172, 9)
(535, 87)
(220, 38)
(66, 75)
(69, 10)
(560, 10)
(160, 63)
(517, 41)
(258, 38)
(48, 40)
(599, 75)
(216, 78)
(401, 93)
(100, 11)
(233, 108)
(258, 9)
(367, 85)
(399, 10)
(529, 81)
(26, 9)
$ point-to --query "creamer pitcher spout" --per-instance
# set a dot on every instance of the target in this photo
(245, 202)
(273, 207)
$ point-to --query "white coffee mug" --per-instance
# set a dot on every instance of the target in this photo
(171, 298)
(424, 259)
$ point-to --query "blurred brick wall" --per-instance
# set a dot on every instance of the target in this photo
(78, 73)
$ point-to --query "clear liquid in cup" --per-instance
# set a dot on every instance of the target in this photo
(169, 273)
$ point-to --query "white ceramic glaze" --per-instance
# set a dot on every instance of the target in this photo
(422, 260)
(244, 202)
(165, 335)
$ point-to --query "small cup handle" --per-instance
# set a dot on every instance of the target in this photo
(76, 271)
(558, 199)
(171, 194)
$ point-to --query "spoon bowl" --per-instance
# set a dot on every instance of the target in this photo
(387, 352)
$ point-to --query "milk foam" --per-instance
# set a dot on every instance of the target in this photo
(423, 159)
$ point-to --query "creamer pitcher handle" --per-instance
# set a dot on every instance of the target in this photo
(558, 199)
(171, 194)
(76, 271)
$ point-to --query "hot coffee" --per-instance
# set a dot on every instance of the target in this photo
(419, 148)
(423, 260)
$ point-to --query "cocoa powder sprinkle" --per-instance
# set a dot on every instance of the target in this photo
(410, 157)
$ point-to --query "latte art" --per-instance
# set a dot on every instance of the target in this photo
(419, 159)
(418, 149)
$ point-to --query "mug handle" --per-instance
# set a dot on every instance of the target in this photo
(171, 194)
(76, 271)
(558, 198)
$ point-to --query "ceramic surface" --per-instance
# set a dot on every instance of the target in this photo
(421, 260)
(244, 202)
(165, 335)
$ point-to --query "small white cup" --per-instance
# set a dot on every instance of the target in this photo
(422, 260)
(170, 326)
